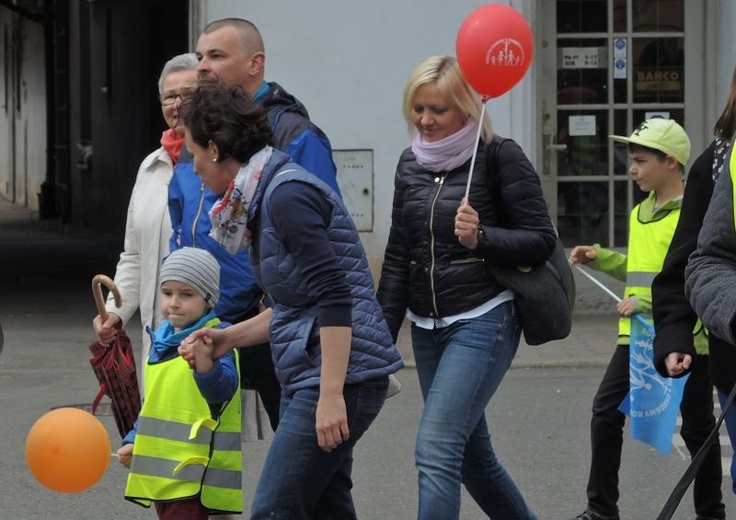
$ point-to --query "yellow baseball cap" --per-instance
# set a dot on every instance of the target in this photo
(664, 135)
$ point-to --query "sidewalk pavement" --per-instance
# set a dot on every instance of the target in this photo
(46, 265)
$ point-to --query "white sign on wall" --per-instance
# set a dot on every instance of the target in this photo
(580, 58)
(620, 58)
(581, 125)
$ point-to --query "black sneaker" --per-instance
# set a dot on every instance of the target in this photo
(590, 515)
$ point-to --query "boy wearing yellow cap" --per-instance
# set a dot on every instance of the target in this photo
(658, 151)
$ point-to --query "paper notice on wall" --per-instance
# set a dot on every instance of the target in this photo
(580, 58)
(581, 125)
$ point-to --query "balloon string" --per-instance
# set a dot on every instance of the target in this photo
(475, 148)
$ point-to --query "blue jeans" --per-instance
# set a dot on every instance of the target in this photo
(730, 421)
(299, 480)
(460, 367)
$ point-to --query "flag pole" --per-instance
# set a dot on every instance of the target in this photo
(614, 296)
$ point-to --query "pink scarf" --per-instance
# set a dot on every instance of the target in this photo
(448, 153)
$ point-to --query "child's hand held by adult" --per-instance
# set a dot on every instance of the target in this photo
(202, 350)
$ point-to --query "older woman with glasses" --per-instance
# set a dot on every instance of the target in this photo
(148, 226)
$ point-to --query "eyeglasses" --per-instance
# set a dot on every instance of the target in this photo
(170, 98)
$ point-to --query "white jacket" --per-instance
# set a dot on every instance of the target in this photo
(147, 234)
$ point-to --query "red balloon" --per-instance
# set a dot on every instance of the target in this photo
(494, 49)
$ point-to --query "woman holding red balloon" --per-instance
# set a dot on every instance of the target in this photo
(465, 326)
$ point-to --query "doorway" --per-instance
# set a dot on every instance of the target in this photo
(614, 63)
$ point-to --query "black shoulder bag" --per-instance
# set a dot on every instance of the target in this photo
(545, 294)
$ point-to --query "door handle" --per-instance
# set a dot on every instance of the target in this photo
(556, 147)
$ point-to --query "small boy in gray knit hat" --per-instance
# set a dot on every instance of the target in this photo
(196, 268)
(175, 394)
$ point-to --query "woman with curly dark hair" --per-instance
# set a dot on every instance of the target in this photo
(332, 349)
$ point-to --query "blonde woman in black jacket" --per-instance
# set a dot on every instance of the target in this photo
(465, 327)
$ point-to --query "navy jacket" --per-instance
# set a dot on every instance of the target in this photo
(425, 267)
(295, 324)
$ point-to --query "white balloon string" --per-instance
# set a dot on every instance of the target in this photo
(475, 148)
(614, 296)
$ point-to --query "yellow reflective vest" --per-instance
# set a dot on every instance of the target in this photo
(648, 245)
(649, 242)
(181, 450)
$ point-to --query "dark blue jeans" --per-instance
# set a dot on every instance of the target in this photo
(460, 367)
(730, 421)
(607, 436)
(299, 480)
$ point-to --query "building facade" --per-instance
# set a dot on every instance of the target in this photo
(70, 144)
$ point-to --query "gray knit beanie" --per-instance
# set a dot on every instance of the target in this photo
(196, 268)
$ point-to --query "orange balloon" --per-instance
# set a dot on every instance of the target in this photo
(494, 49)
(68, 450)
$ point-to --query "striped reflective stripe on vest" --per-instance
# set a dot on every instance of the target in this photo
(229, 441)
(648, 245)
(165, 468)
(639, 279)
(181, 449)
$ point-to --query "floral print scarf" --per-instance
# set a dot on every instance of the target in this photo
(229, 215)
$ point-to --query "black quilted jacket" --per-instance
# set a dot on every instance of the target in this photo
(425, 268)
(674, 318)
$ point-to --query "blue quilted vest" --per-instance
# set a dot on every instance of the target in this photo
(294, 326)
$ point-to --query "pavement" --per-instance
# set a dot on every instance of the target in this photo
(51, 264)
(541, 412)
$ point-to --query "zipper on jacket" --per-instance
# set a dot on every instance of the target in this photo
(431, 245)
(196, 218)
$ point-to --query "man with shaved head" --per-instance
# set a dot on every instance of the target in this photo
(232, 51)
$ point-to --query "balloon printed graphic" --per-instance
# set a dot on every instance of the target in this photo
(494, 49)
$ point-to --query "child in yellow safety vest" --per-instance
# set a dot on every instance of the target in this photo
(184, 450)
(658, 151)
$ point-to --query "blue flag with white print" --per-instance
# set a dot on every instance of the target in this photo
(653, 401)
